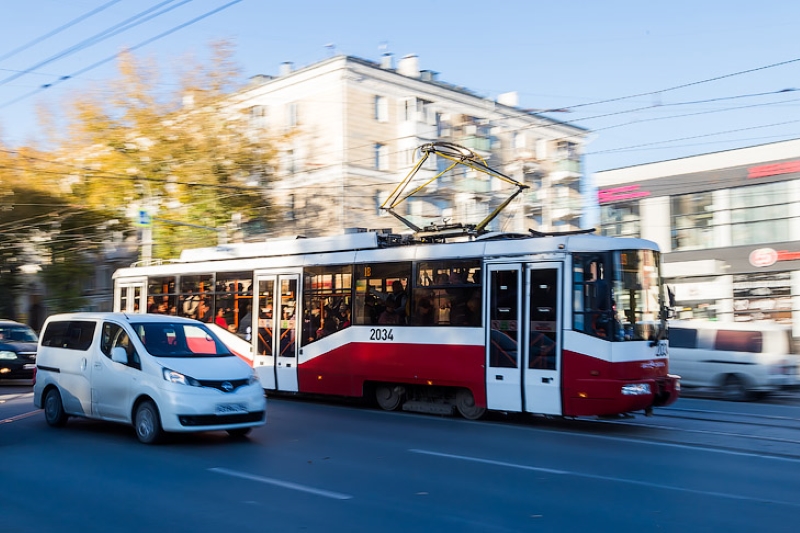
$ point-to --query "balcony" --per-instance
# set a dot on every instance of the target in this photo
(566, 170)
(473, 142)
(566, 209)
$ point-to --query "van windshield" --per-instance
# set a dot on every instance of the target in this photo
(164, 339)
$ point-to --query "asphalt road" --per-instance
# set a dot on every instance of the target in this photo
(332, 467)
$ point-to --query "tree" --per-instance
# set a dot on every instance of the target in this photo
(40, 230)
(185, 157)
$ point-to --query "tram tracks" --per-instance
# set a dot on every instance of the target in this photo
(748, 432)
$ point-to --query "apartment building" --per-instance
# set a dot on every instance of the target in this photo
(349, 130)
(728, 222)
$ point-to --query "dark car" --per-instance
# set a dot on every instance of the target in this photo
(17, 350)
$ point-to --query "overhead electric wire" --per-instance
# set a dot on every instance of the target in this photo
(58, 30)
(612, 150)
(114, 56)
(682, 86)
(116, 29)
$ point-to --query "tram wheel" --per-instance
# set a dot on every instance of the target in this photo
(388, 397)
(733, 388)
(465, 403)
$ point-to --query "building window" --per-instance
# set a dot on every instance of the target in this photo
(425, 113)
(291, 115)
(567, 150)
(381, 109)
(258, 116)
(520, 141)
(408, 109)
(621, 220)
(692, 218)
(381, 156)
(762, 213)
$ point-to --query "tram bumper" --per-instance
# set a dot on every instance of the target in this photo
(610, 397)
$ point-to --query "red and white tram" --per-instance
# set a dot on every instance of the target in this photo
(568, 325)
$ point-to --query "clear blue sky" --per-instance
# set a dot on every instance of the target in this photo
(573, 55)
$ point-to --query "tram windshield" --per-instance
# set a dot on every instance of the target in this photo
(618, 295)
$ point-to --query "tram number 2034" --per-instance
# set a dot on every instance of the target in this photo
(381, 334)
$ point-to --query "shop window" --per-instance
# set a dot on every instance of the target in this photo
(692, 219)
(621, 220)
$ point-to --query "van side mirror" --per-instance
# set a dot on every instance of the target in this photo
(119, 355)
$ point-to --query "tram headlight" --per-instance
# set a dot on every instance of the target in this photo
(176, 377)
(635, 389)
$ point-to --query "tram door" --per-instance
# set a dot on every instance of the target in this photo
(129, 296)
(275, 331)
(523, 342)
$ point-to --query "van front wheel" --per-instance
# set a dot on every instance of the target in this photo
(733, 389)
(147, 423)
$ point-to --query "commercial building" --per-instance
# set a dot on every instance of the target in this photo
(728, 224)
(348, 130)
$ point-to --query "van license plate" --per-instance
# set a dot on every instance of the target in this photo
(231, 408)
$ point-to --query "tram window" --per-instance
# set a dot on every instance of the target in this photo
(162, 297)
(234, 296)
(453, 290)
(593, 306)
(327, 301)
(382, 293)
(194, 289)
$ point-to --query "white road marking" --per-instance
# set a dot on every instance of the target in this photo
(19, 417)
(602, 478)
(7, 397)
(284, 484)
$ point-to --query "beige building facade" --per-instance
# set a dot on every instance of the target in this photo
(349, 132)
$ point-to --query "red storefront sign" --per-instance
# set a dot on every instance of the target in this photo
(764, 257)
(773, 169)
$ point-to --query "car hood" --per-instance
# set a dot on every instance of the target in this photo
(208, 367)
(19, 347)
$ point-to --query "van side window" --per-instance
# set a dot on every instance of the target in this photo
(69, 334)
(682, 338)
(113, 336)
(738, 341)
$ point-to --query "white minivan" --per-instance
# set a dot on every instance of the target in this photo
(158, 373)
(737, 359)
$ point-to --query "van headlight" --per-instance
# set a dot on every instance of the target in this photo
(635, 389)
(253, 379)
(176, 377)
(6, 355)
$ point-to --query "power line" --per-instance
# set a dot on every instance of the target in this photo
(683, 86)
(59, 29)
(116, 29)
(114, 56)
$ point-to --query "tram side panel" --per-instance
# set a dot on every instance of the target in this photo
(344, 362)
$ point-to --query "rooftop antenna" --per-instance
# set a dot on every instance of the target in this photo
(331, 47)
